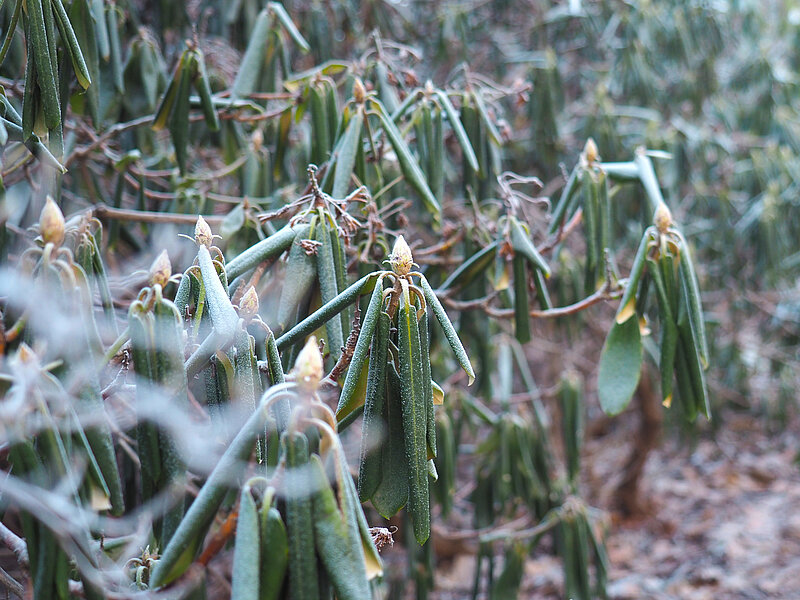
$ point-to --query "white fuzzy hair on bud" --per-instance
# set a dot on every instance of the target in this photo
(161, 269)
(308, 368)
(662, 218)
(400, 259)
(51, 223)
(202, 233)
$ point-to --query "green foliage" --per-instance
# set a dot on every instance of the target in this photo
(313, 147)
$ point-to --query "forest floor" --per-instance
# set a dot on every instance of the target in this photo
(721, 520)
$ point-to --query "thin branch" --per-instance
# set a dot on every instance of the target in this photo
(102, 211)
(12, 585)
(517, 534)
(109, 133)
(607, 292)
(563, 231)
(16, 544)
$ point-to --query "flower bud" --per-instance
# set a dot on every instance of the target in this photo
(202, 233)
(400, 259)
(26, 356)
(248, 305)
(51, 223)
(161, 269)
(359, 91)
(662, 218)
(590, 151)
(257, 139)
(308, 368)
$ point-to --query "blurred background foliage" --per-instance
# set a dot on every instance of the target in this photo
(446, 112)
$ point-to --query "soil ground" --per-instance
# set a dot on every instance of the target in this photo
(721, 521)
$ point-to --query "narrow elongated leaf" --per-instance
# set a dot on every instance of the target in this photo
(408, 164)
(346, 152)
(621, 171)
(660, 274)
(303, 583)
(627, 306)
(46, 70)
(223, 315)
(326, 311)
(458, 130)
(427, 385)
(691, 292)
(647, 175)
(301, 272)
(274, 555)
(254, 57)
(326, 272)
(337, 539)
(368, 324)
(285, 20)
(561, 213)
(203, 86)
(258, 253)
(373, 430)
(449, 331)
(247, 550)
(522, 325)
(471, 268)
(521, 242)
(180, 551)
(71, 41)
(393, 490)
(412, 392)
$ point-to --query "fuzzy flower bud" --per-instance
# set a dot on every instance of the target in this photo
(51, 223)
(257, 139)
(590, 151)
(161, 269)
(308, 368)
(248, 305)
(359, 91)
(202, 233)
(400, 259)
(26, 356)
(662, 218)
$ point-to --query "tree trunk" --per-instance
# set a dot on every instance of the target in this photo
(649, 431)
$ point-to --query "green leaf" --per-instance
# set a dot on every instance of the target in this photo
(620, 366)
(254, 57)
(247, 550)
(288, 25)
(326, 272)
(180, 551)
(71, 41)
(360, 352)
(346, 152)
(301, 273)
(46, 70)
(223, 315)
(326, 311)
(337, 537)
(373, 430)
(412, 392)
(275, 555)
(521, 242)
(691, 292)
(471, 268)
(627, 306)
(258, 253)
(449, 330)
(408, 164)
(458, 129)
